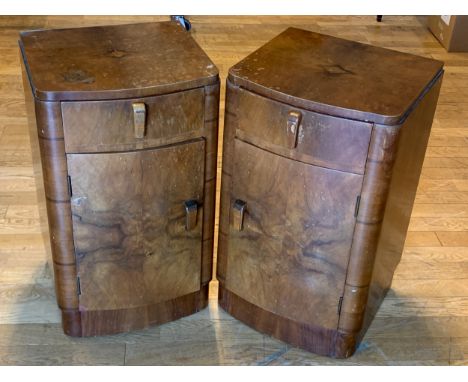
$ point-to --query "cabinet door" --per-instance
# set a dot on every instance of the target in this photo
(289, 252)
(135, 242)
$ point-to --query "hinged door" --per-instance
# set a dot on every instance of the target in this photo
(137, 224)
(291, 227)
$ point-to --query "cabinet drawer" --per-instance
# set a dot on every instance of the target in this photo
(102, 126)
(309, 137)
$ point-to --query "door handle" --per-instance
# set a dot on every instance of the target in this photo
(238, 214)
(139, 119)
(292, 128)
(191, 210)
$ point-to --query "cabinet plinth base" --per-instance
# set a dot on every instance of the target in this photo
(96, 323)
(331, 343)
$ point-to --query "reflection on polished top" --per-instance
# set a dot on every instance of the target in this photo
(336, 76)
(120, 61)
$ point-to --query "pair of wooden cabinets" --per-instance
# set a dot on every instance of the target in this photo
(323, 145)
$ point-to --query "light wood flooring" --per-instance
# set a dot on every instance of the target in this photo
(424, 320)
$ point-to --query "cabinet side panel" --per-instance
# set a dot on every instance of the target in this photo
(36, 159)
(55, 175)
(230, 125)
(405, 178)
(49, 163)
(380, 160)
(211, 158)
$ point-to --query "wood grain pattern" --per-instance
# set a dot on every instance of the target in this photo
(95, 63)
(296, 238)
(211, 114)
(230, 125)
(321, 140)
(102, 322)
(131, 245)
(320, 340)
(339, 68)
(431, 273)
(129, 259)
(53, 355)
(47, 146)
(101, 126)
(260, 264)
(401, 193)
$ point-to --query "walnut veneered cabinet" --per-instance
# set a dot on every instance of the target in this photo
(124, 120)
(323, 146)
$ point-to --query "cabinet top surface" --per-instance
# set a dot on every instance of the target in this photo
(336, 76)
(119, 61)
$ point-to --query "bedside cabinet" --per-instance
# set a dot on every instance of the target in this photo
(123, 125)
(323, 146)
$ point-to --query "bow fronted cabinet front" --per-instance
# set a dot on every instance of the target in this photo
(124, 120)
(323, 146)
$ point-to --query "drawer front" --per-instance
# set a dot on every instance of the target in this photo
(291, 228)
(120, 125)
(137, 225)
(309, 137)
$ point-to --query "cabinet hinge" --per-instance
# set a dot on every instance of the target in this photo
(356, 208)
(78, 285)
(340, 303)
(70, 193)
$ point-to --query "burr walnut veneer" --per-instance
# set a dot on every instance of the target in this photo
(323, 146)
(124, 121)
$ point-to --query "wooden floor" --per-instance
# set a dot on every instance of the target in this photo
(424, 320)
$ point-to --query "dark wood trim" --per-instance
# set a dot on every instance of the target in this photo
(106, 322)
(308, 337)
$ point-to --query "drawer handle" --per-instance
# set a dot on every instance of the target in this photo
(191, 210)
(294, 120)
(139, 119)
(238, 215)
